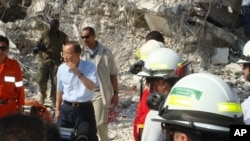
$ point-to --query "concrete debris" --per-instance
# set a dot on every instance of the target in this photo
(206, 32)
(221, 56)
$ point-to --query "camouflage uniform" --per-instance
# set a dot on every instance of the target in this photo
(49, 60)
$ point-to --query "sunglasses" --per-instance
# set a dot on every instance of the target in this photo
(85, 37)
(3, 48)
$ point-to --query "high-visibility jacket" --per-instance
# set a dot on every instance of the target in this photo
(11, 87)
(141, 113)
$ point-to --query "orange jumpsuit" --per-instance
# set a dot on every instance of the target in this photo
(11, 87)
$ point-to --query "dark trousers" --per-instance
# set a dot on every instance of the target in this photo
(72, 117)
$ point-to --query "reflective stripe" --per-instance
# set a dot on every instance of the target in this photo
(19, 84)
(137, 54)
(229, 107)
(158, 66)
(9, 79)
(140, 125)
(180, 101)
(12, 79)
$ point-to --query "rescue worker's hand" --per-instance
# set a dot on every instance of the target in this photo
(114, 102)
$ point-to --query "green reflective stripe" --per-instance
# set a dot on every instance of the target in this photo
(195, 94)
(229, 107)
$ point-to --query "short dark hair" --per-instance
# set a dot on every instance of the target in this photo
(27, 128)
(90, 29)
(171, 81)
(155, 35)
(76, 46)
(4, 39)
(54, 22)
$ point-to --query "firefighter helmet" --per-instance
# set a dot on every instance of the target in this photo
(245, 57)
(146, 48)
(202, 101)
(161, 62)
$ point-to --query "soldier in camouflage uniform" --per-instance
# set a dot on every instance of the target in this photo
(50, 47)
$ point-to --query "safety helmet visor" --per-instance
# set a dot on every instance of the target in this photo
(240, 61)
(244, 59)
(201, 126)
(144, 74)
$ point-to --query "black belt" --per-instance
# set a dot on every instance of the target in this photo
(76, 104)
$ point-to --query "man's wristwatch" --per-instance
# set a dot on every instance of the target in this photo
(115, 92)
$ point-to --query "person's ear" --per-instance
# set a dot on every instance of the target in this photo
(182, 137)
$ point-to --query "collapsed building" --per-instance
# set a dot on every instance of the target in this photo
(203, 31)
(210, 22)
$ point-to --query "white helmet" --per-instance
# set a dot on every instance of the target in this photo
(146, 48)
(245, 58)
(161, 62)
(202, 101)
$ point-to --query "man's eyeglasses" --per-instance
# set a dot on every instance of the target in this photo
(3, 48)
(85, 37)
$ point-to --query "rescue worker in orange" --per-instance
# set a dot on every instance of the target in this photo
(11, 85)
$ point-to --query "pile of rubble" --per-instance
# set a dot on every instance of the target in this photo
(206, 32)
